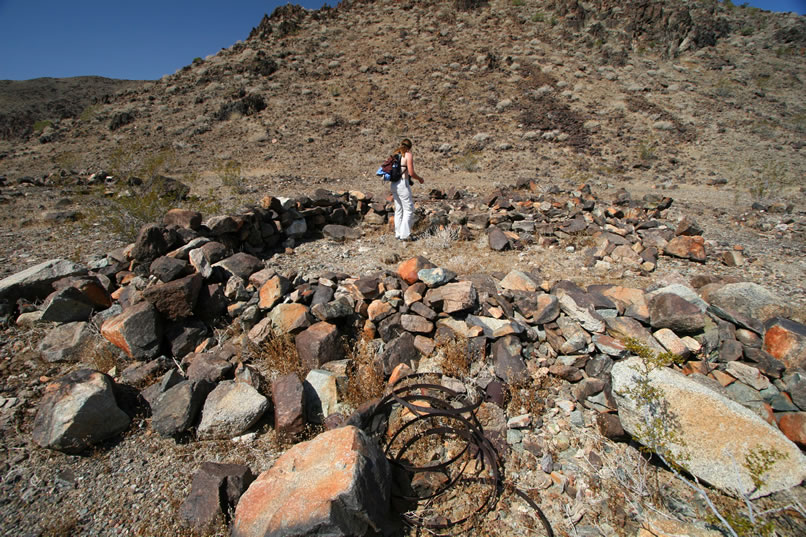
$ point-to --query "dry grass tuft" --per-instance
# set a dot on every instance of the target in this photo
(525, 398)
(59, 525)
(365, 379)
(103, 357)
(277, 356)
(455, 361)
(441, 238)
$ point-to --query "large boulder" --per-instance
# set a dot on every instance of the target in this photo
(711, 435)
(231, 409)
(749, 299)
(175, 299)
(78, 411)
(66, 342)
(37, 281)
(137, 330)
(338, 484)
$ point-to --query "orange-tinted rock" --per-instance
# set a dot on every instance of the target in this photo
(273, 291)
(400, 371)
(786, 341)
(723, 378)
(95, 293)
(408, 269)
(793, 425)
(379, 310)
(695, 366)
(687, 247)
(137, 331)
(631, 302)
(290, 318)
(369, 332)
(337, 484)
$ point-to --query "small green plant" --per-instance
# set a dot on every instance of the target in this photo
(759, 461)
(468, 5)
(89, 113)
(41, 125)
(660, 430)
(230, 173)
(134, 160)
(518, 3)
(539, 17)
(724, 87)
(646, 150)
(125, 214)
(66, 160)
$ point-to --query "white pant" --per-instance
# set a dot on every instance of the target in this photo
(404, 207)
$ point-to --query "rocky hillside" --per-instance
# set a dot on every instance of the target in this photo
(29, 108)
(658, 91)
(599, 329)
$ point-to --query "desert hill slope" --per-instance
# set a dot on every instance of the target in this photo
(656, 90)
(23, 103)
(581, 137)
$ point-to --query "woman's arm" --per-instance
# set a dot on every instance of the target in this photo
(410, 167)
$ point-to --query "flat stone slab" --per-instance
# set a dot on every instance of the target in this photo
(36, 281)
(716, 434)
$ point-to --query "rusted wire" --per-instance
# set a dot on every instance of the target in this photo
(420, 411)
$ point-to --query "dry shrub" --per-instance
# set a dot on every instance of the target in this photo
(365, 379)
(525, 395)
(59, 525)
(103, 357)
(278, 355)
(455, 361)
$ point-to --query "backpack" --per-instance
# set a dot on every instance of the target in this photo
(390, 169)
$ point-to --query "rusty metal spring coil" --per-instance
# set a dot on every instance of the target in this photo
(423, 419)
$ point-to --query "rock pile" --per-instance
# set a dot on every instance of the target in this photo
(159, 298)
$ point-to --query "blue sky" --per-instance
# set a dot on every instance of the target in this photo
(144, 39)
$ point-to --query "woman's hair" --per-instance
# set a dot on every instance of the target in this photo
(405, 145)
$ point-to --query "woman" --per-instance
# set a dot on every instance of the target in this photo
(401, 192)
